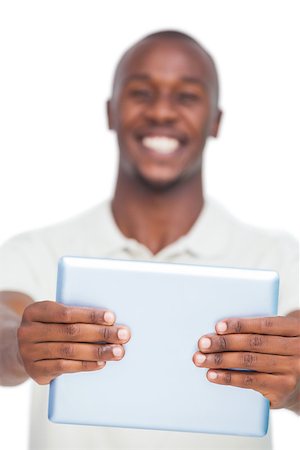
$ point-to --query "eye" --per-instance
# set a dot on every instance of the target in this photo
(140, 94)
(188, 97)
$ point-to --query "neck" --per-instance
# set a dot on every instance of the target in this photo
(156, 218)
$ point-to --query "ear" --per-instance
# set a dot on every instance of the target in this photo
(109, 115)
(216, 124)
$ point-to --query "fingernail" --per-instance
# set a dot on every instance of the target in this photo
(205, 342)
(117, 351)
(123, 334)
(212, 375)
(221, 327)
(100, 363)
(109, 317)
(200, 358)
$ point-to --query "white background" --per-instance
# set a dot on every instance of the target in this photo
(57, 157)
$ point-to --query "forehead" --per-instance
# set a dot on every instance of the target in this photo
(168, 59)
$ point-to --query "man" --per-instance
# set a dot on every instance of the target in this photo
(164, 106)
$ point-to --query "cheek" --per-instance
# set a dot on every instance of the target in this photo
(128, 115)
(198, 122)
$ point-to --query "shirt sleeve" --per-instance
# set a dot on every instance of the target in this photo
(18, 266)
(285, 254)
(289, 281)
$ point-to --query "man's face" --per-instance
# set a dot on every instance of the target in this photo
(163, 109)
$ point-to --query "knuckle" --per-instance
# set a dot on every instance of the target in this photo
(268, 322)
(40, 380)
(21, 333)
(66, 314)
(27, 312)
(256, 341)
(218, 358)
(72, 329)
(292, 383)
(49, 304)
(222, 344)
(297, 365)
(41, 376)
(45, 306)
(227, 378)
(106, 333)
(84, 365)
(60, 366)
(25, 315)
(100, 351)
(96, 316)
(67, 351)
(275, 401)
(46, 351)
(248, 359)
(237, 326)
(93, 316)
(248, 380)
(38, 371)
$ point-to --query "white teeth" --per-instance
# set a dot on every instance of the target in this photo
(161, 144)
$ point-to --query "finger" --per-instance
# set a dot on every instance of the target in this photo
(278, 326)
(75, 332)
(259, 343)
(49, 369)
(261, 382)
(51, 312)
(74, 351)
(245, 360)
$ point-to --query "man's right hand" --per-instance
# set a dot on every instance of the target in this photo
(55, 339)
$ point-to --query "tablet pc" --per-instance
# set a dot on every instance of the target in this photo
(167, 306)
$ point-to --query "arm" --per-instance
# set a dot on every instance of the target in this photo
(12, 305)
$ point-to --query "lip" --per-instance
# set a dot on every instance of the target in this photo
(180, 137)
(157, 155)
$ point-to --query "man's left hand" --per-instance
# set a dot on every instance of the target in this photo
(268, 347)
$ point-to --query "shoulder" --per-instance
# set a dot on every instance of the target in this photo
(59, 234)
(28, 261)
(245, 239)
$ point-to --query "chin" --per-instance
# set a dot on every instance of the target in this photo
(158, 184)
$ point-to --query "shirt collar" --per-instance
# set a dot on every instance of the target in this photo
(208, 236)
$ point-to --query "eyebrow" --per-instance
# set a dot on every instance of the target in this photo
(194, 80)
(139, 77)
(185, 79)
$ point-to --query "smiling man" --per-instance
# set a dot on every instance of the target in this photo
(163, 108)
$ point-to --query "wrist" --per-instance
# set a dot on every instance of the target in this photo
(295, 403)
(12, 371)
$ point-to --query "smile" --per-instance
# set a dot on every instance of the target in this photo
(161, 144)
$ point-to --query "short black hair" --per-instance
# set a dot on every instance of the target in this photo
(174, 34)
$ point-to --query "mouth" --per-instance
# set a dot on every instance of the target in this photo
(162, 145)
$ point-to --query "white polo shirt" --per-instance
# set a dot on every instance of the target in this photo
(28, 263)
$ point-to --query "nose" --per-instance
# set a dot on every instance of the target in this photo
(161, 110)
